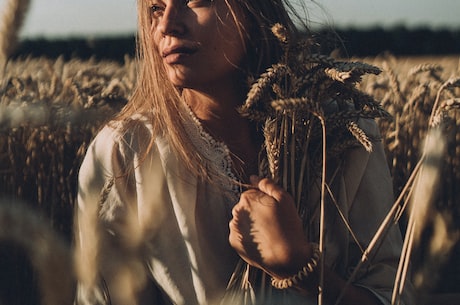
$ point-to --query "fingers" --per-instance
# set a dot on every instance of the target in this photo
(235, 237)
(269, 187)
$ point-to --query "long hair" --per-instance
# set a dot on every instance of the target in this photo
(161, 101)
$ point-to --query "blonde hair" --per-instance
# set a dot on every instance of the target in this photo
(157, 98)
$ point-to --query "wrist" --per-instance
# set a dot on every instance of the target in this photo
(303, 276)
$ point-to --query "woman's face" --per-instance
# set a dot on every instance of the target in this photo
(198, 41)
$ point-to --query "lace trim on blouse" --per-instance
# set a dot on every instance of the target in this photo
(216, 154)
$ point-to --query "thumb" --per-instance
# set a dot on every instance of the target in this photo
(268, 187)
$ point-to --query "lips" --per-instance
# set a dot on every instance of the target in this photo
(175, 54)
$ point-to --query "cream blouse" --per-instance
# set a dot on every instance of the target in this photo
(162, 218)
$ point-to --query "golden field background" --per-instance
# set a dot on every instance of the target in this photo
(51, 109)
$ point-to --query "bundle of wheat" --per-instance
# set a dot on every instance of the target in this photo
(309, 108)
(295, 99)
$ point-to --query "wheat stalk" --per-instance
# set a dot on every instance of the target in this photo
(12, 20)
(421, 202)
(434, 100)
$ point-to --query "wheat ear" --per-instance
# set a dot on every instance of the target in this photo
(12, 21)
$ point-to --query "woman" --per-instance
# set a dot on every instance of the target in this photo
(167, 176)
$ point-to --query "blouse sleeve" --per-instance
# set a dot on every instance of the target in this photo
(96, 169)
(106, 195)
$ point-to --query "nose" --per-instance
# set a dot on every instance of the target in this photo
(171, 22)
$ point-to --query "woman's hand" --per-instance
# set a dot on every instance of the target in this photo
(266, 230)
(267, 233)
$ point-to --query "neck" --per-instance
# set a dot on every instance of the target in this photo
(218, 111)
(219, 116)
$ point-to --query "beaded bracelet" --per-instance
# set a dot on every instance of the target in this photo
(302, 274)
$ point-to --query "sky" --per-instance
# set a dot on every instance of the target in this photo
(64, 18)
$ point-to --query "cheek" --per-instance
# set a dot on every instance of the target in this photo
(156, 38)
(231, 41)
(155, 35)
(233, 50)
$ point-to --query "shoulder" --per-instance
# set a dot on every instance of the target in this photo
(127, 137)
(114, 149)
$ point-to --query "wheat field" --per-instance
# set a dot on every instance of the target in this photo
(51, 109)
(409, 88)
